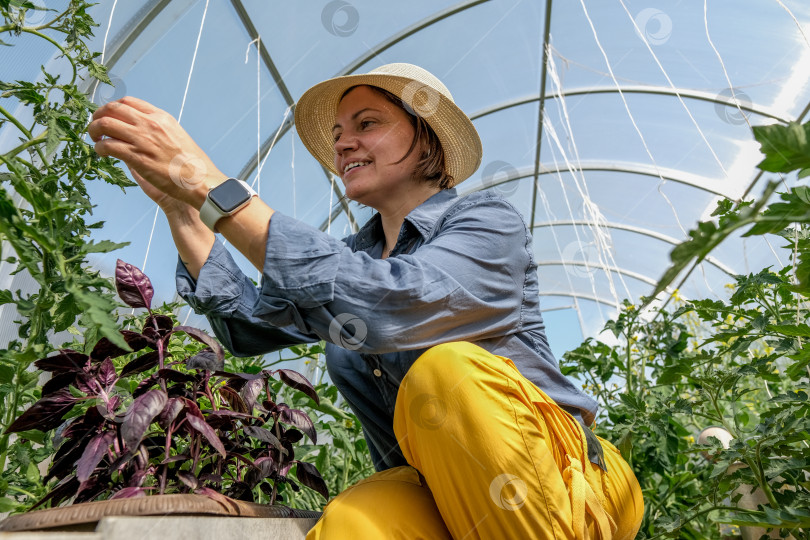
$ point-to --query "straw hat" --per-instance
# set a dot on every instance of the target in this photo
(422, 93)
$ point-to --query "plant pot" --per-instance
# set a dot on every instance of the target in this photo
(167, 516)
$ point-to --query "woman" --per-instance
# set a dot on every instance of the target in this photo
(430, 313)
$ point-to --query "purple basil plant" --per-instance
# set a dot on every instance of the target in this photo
(189, 427)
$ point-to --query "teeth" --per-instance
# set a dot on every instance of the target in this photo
(354, 164)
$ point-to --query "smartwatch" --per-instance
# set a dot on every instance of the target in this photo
(225, 200)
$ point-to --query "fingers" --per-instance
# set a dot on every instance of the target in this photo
(123, 105)
(108, 126)
(115, 148)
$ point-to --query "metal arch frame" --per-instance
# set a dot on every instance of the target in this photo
(542, 109)
(374, 51)
(613, 166)
(637, 89)
(638, 230)
(265, 148)
(148, 13)
(599, 266)
(578, 296)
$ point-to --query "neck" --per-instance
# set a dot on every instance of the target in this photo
(392, 216)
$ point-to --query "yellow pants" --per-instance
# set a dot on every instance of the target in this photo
(491, 456)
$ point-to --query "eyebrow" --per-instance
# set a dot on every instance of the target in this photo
(355, 115)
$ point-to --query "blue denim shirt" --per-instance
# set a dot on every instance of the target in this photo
(462, 270)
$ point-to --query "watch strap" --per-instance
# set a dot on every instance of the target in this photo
(210, 212)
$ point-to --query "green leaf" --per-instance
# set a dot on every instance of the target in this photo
(32, 435)
(104, 246)
(99, 71)
(793, 330)
(786, 148)
(54, 135)
(7, 505)
(6, 297)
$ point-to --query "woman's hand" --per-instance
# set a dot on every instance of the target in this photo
(163, 158)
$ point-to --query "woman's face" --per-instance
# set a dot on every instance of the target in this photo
(371, 135)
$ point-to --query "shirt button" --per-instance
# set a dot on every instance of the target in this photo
(377, 373)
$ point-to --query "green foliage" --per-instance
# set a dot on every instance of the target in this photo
(44, 220)
(742, 365)
(342, 456)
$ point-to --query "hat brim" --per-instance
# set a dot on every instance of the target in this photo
(316, 110)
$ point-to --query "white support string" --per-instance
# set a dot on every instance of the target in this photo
(674, 88)
(292, 168)
(722, 64)
(795, 20)
(331, 198)
(104, 46)
(593, 215)
(632, 118)
(179, 118)
(548, 128)
(258, 42)
(273, 142)
(257, 181)
(551, 215)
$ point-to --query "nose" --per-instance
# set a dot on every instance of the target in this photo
(347, 141)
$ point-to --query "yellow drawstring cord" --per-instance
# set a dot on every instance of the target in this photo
(584, 499)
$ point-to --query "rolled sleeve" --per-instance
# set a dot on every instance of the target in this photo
(467, 282)
(219, 288)
(227, 297)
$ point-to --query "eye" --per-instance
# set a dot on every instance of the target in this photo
(366, 123)
(336, 137)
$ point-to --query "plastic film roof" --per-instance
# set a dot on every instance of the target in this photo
(641, 109)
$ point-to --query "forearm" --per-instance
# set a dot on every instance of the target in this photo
(247, 231)
(191, 237)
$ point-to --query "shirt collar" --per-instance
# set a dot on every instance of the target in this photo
(423, 218)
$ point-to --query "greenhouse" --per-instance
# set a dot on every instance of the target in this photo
(637, 168)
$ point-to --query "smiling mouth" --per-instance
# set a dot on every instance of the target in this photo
(354, 165)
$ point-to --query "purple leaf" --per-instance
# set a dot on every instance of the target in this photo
(205, 359)
(224, 418)
(140, 416)
(188, 479)
(174, 376)
(264, 435)
(130, 493)
(299, 419)
(178, 457)
(67, 360)
(293, 435)
(250, 393)
(142, 363)
(63, 490)
(202, 337)
(106, 373)
(308, 475)
(93, 454)
(162, 324)
(259, 472)
(170, 412)
(213, 478)
(46, 414)
(133, 286)
(57, 382)
(229, 504)
(233, 398)
(207, 431)
(145, 385)
(299, 382)
(105, 347)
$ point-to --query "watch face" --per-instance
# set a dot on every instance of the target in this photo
(229, 195)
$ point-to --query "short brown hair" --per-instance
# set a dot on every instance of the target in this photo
(431, 159)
